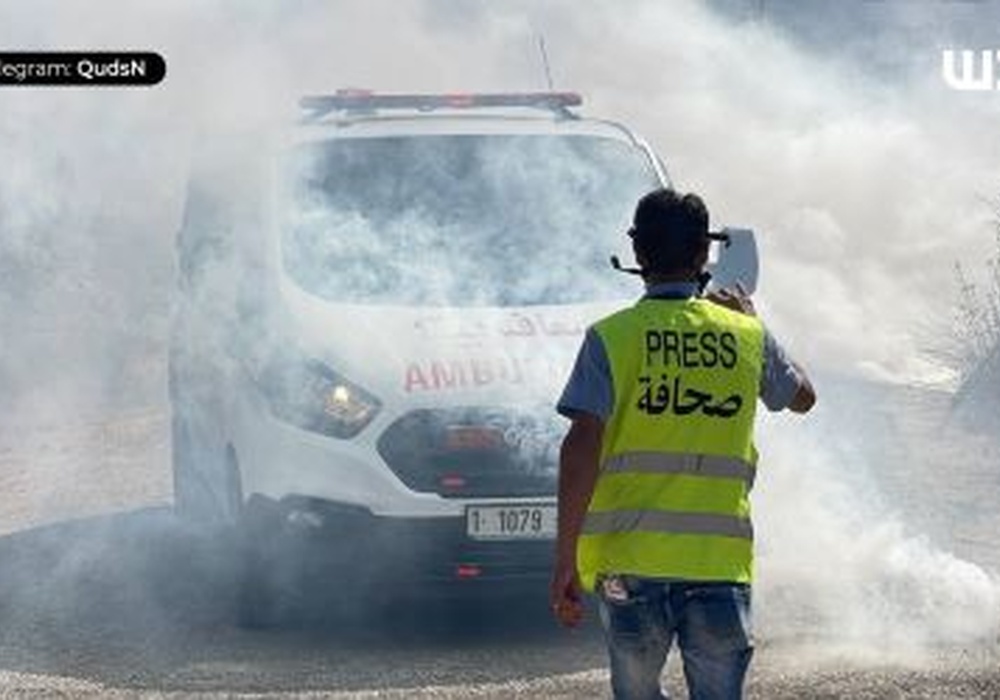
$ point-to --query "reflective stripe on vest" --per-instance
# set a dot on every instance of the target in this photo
(681, 463)
(668, 522)
(677, 458)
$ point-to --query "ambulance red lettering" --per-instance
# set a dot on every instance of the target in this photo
(415, 378)
(447, 376)
(461, 374)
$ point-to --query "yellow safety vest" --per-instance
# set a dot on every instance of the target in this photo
(677, 460)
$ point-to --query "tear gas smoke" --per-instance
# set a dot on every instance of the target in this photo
(863, 187)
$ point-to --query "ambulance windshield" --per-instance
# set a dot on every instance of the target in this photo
(461, 220)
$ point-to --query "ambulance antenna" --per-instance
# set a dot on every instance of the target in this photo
(545, 62)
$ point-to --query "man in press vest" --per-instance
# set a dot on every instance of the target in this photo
(657, 466)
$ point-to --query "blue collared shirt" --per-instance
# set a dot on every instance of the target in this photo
(590, 389)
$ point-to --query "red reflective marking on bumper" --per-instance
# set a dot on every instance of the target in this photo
(467, 571)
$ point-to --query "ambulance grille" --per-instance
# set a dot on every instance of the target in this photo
(472, 452)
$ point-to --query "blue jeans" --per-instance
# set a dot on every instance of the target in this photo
(711, 622)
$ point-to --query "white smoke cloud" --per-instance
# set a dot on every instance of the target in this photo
(838, 562)
(776, 136)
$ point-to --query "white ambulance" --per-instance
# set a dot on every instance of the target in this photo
(372, 327)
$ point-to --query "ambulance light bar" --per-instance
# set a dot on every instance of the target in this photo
(367, 102)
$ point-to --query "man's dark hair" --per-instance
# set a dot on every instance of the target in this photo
(670, 230)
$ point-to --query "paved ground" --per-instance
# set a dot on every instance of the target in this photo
(136, 605)
(103, 593)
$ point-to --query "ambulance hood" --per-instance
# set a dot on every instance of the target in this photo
(443, 355)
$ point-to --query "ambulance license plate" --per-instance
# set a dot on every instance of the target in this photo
(511, 521)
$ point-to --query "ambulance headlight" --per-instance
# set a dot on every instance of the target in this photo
(310, 395)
